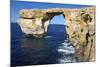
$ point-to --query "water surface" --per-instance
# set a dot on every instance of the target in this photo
(51, 49)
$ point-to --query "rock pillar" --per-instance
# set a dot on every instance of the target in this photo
(34, 23)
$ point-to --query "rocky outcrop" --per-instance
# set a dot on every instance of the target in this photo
(80, 27)
(35, 22)
(81, 32)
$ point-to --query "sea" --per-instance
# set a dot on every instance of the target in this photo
(54, 48)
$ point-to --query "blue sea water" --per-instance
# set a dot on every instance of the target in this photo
(52, 49)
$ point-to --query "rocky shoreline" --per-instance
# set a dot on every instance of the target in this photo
(80, 27)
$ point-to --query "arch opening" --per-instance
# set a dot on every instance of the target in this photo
(56, 35)
(57, 26)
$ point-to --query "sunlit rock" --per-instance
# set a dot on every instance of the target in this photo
(81, 33)
(80, 27)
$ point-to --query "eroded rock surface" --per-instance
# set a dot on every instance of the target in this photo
(81, 32)
(80, 27)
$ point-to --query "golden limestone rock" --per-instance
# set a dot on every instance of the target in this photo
(80, 27)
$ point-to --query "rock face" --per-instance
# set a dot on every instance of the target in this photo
(80, 27)
(35, 22)
(81, 32)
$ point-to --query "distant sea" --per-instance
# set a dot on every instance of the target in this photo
(52, 49)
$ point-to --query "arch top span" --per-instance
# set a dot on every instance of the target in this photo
(41, 17)
(31, 13)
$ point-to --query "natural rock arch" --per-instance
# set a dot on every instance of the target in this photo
(80, 27)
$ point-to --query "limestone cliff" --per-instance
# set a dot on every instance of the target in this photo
(81, 32)
(80, 27)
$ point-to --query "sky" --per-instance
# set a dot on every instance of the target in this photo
(16, 6)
